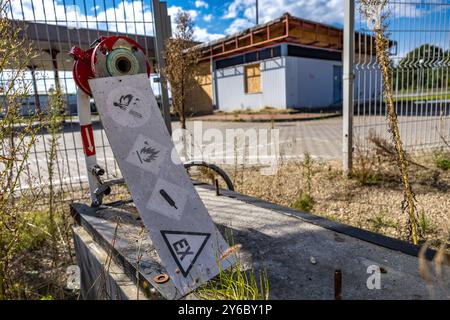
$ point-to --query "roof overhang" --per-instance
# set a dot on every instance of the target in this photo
(53, 42)
(285, 29)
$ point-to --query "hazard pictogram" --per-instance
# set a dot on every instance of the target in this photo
(185, 247)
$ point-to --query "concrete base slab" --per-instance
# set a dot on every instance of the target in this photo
(101, 277)
(300, 251)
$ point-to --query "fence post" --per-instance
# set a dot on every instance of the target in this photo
(348, 77)
(160, 25)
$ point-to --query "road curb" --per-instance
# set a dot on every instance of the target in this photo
(268, 120)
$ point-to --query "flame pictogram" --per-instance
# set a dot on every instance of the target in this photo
(147, 153)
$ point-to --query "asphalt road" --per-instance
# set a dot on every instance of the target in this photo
(321, 138)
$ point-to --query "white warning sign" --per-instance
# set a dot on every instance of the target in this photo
(177, 221)
(185, 247)
(147, 154)
(168, 199)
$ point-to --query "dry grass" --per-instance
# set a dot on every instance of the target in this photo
(374, 204)
(34, 239)
(35, 271)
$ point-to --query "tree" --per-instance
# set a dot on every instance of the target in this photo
(180, 63)
(424, 67)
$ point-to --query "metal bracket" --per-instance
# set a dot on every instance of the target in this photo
(103, 189)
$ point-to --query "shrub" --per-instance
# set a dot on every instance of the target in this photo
(441, 160)
(304, 202)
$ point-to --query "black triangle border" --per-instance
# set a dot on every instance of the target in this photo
(185, 272)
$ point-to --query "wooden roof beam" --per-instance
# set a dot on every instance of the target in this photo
(239, 49)
(260, 30)
(230, 41)
(287, 26)
(244, 36)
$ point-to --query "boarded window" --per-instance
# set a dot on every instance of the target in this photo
(252, 78)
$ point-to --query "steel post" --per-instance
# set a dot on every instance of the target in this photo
(348, 77)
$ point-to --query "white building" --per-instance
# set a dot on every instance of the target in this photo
(285, 63)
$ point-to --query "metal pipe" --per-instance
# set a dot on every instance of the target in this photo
(37, 103)
(257, 12)
(215, 100)
(54, 54)
(348, 77)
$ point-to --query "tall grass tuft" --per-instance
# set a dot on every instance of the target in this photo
(305, 201)
(31, 217)
(375, 11)
(17, 137)
(54, 127)
(235, 283)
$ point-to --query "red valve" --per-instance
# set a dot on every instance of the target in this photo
(108, 57)
(82, 70)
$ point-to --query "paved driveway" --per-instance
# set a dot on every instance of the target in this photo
(321, 138)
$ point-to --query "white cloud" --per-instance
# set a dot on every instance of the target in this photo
(238, 25)
(201, 34)
(207, 17)
(173, 11)
(327, 11)
(201, 4)
(244, 13)
(138, 17)
(236, 7)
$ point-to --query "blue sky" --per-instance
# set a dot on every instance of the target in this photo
(216, 18)
(415, 22)
(213, 18)
(227, 17)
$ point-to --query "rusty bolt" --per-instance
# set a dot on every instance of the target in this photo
(161, 278)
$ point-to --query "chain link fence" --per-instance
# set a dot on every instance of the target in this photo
(420, 49)
(419, 32)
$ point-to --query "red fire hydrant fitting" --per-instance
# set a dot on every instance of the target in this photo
(108, 57)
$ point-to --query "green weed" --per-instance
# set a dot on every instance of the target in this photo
(441, 160)
(380, 221)
(235, 283)
(425, 225)
(304, 202)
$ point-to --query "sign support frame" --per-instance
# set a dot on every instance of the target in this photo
(84, 116)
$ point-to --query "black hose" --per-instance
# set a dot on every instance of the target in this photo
(213, 167)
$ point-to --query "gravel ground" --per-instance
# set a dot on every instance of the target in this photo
(371, 200)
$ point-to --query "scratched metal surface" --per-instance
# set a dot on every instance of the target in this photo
(176, 219)
(283, 244)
